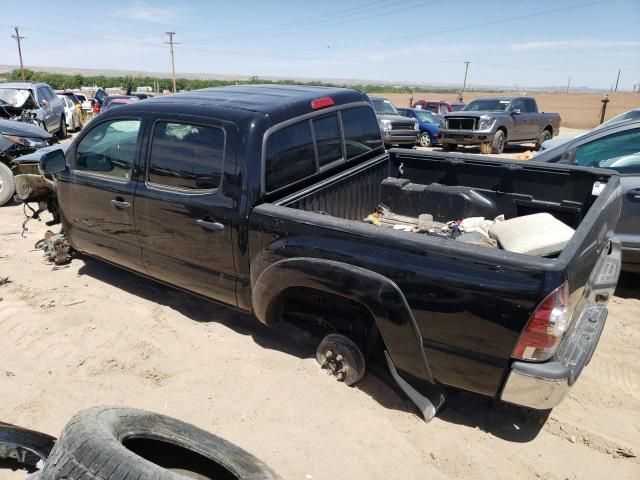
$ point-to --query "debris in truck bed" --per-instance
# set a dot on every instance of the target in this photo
(537, 234)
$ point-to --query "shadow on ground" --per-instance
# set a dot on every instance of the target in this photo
(463, 408)
(628, 285)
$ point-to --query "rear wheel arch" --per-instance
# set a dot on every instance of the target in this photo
(379, 295)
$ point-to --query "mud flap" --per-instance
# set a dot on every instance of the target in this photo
(429, 404)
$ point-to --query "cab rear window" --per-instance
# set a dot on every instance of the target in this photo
(301, 150)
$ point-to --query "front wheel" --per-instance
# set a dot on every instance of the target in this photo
(425, 139)
(499, 141)
(62, 131)
(7, 184)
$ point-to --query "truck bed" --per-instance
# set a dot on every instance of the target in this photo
(470, 303)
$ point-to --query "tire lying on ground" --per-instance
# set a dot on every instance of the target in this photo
(117, 443)
(23, 449)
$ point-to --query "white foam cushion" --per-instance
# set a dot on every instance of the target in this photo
(537, 234)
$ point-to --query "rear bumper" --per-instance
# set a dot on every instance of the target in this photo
(543, 385)
(465, 137)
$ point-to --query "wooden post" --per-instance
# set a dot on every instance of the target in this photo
(604, 101)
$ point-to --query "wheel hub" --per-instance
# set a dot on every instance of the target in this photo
(334, 365)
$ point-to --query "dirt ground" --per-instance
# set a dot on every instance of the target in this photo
(89, 334)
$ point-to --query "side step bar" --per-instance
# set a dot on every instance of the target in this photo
(428, 406)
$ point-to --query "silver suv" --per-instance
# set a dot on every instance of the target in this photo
(34, 103)
(396, 129)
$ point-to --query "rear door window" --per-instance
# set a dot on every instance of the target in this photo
(328, 142)
(530, 105)
(186, 156)
(361, 131)
(290, 156)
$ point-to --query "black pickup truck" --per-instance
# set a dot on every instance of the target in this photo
(255, 196)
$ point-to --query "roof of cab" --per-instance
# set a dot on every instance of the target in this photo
(266, 99)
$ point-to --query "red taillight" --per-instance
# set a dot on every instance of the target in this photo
(96, 108)
(323, 102)
(546, 327)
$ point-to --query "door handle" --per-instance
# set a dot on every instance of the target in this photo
(634, 195)
(120, 204)
(209, 225)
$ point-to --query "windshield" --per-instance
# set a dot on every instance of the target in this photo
(630, 115)
(486, 105)
(426, 117)
(13, 97)
(384, 107)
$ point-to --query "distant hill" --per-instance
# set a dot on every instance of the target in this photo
(337, 81)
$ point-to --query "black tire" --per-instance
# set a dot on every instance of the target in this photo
(544, 136)
(23, 449)
(7, 184)
(499, 141)
(342, 358)
(62, 131)
(425, 139)
(449, 147)
(118, 443)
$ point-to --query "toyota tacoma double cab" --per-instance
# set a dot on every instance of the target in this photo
(493, 122)
(256, 197)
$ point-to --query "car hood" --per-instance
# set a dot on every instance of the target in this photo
(14, 97)
(37, 155)
(474, 114)
(395, 118)
(20, 129)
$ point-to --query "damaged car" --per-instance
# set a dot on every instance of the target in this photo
(34, 103)
(16, 140)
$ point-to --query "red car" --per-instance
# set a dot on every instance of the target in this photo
(439, 107)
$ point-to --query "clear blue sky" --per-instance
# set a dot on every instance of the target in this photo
(531, 43)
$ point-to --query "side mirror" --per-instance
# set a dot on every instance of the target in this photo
(53, 161)
(44, 103)
(567, 156)
(516, 111)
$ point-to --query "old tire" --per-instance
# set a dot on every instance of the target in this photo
(127, 444)
(342, 358)
(62, 131)
(485, 148)
(499, 141)
(7, 184)
(449, 147)
(544, 136)
(425, 139)
(21, 448)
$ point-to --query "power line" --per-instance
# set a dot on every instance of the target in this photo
(17, 37)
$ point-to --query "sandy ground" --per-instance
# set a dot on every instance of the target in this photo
(90, 334)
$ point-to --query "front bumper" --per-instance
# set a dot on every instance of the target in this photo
(465, 137)
(543, 385)
(400, 137)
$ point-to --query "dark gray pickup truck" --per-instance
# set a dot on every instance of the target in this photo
(493, 122)
(256, 197)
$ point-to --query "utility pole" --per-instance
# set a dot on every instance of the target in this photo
(568, 83)
(173, 64)
(17, 37)
(464, 84)
(617, 80)
(603, 110)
